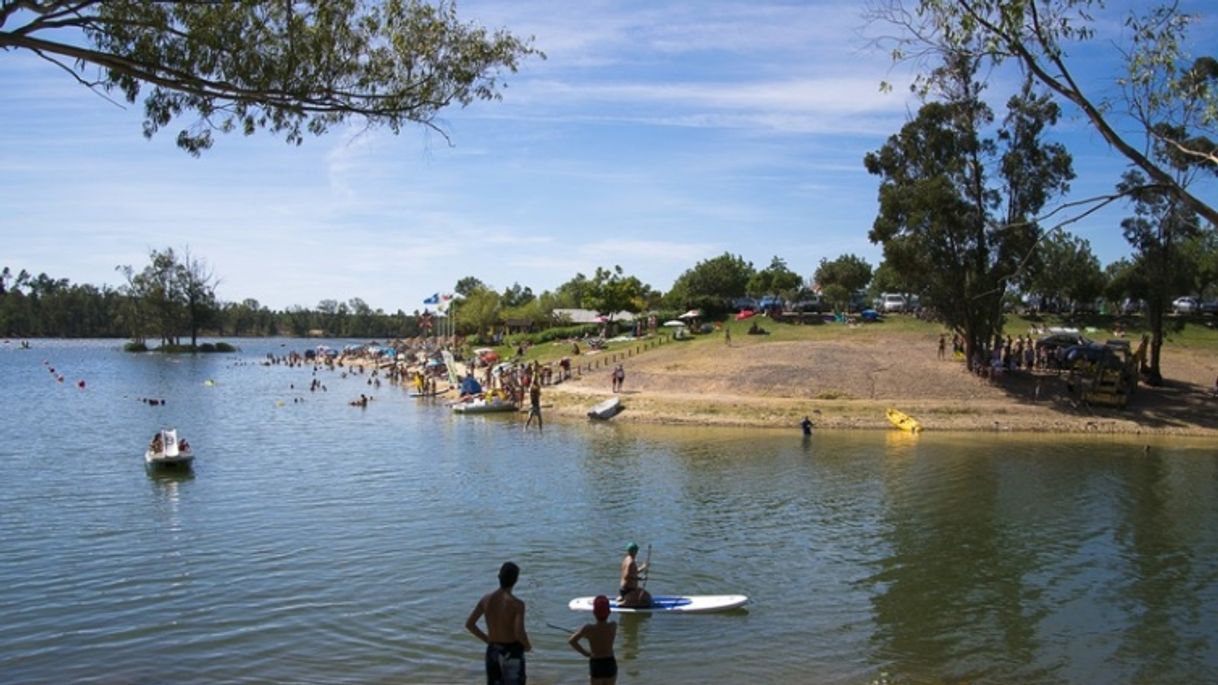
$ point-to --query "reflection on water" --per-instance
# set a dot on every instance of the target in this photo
(316, 542)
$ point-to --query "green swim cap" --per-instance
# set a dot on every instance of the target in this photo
(632, 547)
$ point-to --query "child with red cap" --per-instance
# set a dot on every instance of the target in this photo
(602, 667)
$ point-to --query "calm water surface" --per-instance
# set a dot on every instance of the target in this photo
(320, 543)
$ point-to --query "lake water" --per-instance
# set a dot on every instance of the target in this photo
(320, 543)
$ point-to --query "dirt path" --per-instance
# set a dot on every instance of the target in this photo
(848, 384)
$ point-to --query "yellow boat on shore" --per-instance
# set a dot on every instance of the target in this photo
(903, 421)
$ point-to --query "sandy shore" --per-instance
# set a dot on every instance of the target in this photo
(848, 384)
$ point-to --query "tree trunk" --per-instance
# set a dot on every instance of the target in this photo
(1154, 376)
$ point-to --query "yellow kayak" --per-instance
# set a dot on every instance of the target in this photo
(904, 421)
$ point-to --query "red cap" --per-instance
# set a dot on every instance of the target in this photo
(600, 607)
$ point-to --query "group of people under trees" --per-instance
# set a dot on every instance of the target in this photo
(507, 640)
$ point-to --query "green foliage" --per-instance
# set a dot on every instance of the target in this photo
(711, 284)
(1169, 95)
(611, 291)
(468, 286)
(289, 67)
(848, 271)
(1065, 268)
(478, 311)
(942, 217)
(775, 279)
(135, 347)
(1159, 228)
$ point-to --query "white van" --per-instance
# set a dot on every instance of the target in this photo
(892, 303)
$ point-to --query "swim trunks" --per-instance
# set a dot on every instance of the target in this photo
(505, 664)
(603, 667)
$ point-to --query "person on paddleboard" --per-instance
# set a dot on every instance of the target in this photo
(630, 594)
(505, 636)
(602, 666)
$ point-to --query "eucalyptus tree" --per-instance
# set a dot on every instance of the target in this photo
(957, 209)
(287, 67)
(197, 283)
(1158, 230)
(1163, 95)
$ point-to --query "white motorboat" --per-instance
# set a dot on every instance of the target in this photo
(169, 451)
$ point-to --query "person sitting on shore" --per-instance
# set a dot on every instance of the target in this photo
(602, 666)
(630, 594)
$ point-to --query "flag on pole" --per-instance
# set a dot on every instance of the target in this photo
(434, 299)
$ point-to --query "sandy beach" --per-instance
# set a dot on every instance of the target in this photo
(848, 383)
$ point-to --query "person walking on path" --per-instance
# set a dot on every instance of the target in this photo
(534, 404)
(602, 666)
(505, 636)
(942, 346)
(727, 336)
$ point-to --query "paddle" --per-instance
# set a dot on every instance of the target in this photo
(648, 565)
(568, 632)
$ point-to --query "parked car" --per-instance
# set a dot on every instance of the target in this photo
(1185, 305)
(744, 303)
(1210, 307)
(769, 303)
(1061, 339)
(810, 305)
(892, 303)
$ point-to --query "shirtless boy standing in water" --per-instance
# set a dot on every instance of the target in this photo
(602, 666)
(505, 637)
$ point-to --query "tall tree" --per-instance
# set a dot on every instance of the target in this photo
(289, 67)
(956, 209)
(1161, 224)
(1171, 97)
(197, 283)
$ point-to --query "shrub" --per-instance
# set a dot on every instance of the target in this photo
(133, 346)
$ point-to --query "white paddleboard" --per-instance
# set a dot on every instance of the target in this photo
(688, 604)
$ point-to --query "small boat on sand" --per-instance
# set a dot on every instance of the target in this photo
(903, 421)
(166, 450)
(606, 410)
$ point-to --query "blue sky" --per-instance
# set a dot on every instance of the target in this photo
(655, 135)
